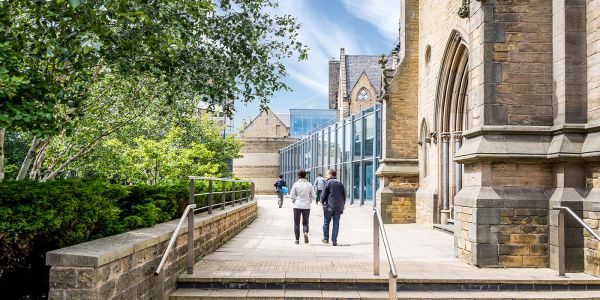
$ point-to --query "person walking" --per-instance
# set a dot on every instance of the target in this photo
(302, 195)
(319, 185)
(333, 199)
(279, 184)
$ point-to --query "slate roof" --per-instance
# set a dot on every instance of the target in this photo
(284, 118)
(357, 64)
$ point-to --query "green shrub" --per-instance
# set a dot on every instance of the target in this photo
(37, 217)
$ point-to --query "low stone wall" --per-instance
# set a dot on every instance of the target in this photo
(122, 266)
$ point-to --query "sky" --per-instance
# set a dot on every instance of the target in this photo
(359, 26)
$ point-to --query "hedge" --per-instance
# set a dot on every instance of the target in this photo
(36, 217)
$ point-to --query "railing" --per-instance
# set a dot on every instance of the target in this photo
(379, 229)
(245, 194)
(561, 235)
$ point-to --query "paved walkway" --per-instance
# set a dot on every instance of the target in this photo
(266, 248)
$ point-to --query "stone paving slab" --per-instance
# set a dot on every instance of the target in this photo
(266, 250)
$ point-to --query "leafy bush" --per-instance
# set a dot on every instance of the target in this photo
(36, 217)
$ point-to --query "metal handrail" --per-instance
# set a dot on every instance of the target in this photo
(174, 237)
(561, 234)
(378, 229)
(244, 194)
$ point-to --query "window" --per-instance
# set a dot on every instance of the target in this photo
(363, 95)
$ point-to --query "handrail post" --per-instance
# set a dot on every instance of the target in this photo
(233, 192)
(210, 196)
(224, 194)
(190, 233)
(375, 244)
(252, 186)
(392, 285)
(561, 242)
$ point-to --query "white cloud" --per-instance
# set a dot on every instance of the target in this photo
(324, 37)
(383, 14)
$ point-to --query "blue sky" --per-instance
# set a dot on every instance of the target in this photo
(359, 26)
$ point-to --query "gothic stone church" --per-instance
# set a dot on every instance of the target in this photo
(491, 118)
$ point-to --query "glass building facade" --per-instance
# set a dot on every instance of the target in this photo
(351, 146)
(303, 121)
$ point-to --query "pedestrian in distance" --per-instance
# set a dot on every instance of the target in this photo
(319, 185)
(333, 199)
(302, 195)
(280, 187)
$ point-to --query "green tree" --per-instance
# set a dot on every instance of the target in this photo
(63, 53)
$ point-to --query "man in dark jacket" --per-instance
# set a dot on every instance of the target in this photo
(334, 199)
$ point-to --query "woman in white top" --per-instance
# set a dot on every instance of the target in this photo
(302, 195)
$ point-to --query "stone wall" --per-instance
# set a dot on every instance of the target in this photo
(260, 161)
(437, 22)
(403, 206)
(502, 215)
(122, 266)
(593, 60)
(591, 215)
(266, 125)
(399, 122)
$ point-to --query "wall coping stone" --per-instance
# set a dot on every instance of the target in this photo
(108, 249)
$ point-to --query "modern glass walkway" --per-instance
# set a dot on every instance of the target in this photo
(351, 146)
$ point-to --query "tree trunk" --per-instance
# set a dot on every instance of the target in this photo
(39, 158)
(2, 136)
(28, 158)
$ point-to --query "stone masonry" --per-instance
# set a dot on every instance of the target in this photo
(527, 139)
(399, 170)
(122, 266)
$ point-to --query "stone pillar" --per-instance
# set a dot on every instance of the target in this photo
(445, 213)
(398, 171)
(570, 191)
(458, 167)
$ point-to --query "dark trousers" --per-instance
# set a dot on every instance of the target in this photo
(319, 195)
(328, 216)
(305, 214)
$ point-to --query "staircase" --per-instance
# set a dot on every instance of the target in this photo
(205, 285)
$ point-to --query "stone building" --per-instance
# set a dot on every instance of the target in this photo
(263, 137)
(491, 118)
(355, 81)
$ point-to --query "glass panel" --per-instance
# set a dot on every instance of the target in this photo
(347, 179)
(357, 126)
(339, 144)
(347, 144)
(368, 182)
(319, 149)
(369, 135)
(356, 180)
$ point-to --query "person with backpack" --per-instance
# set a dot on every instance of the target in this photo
(302, 194)
(319, 185)
(279, 189)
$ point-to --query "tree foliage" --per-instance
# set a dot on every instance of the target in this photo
(63, 63)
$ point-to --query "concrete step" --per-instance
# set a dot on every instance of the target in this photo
(366, 282)
(197, 294)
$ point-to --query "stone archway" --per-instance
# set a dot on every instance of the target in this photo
(450, 120)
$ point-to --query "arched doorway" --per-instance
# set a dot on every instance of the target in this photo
(451, 120)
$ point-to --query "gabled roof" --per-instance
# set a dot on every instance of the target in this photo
(284, 118)
(369, 64)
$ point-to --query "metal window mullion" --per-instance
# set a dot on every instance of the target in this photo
(352, 159)
(363, 170)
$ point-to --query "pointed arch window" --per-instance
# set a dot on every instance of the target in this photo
(363, 95)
